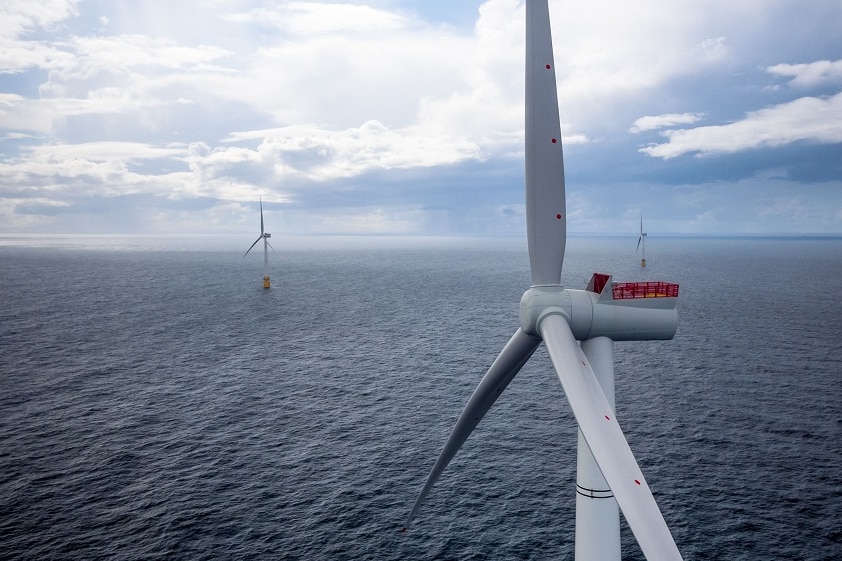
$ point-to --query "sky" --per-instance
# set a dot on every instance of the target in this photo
(710, 117)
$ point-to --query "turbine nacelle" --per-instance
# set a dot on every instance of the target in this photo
(590, 314)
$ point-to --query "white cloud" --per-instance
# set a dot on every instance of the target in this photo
(134, 64)
(105, 151)
(608, 50)
(299, 100)
(19, 16)
(127, 51)
(91, 169)
(17, 56)
(713, 50)
(805, 119)
(811, 74)
(653, 122)
(321, 155)
(46, 116)
(316, 18)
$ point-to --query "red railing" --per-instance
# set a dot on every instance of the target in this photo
(625, 290)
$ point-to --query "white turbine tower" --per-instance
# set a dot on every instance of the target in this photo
(265, 237)
(608, 475)
(642, 241)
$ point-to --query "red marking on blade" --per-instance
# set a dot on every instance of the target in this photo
(554, 141)
(548, 67)
(607, 418)
(637, 481)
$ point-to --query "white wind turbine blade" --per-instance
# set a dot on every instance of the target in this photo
(546, 218)
(608, 445)
(252, 245)
(511, 359)
(261, 217)
(639, 239)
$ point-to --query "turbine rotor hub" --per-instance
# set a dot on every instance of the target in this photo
(541, 301)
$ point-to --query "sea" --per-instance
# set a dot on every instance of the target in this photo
(157, 403)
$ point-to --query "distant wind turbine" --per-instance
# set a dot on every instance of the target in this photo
(641, 243)
(265, 237)
(608, 478)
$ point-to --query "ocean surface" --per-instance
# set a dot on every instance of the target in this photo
(157, 403)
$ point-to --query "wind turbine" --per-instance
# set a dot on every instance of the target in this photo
(642, 240)
(265, 237)
(608, 476)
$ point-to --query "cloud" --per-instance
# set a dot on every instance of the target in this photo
(653, 122)
(601, 59)
(323, 155)
(314, 18)
(380, 116)
(20, 16)
(713, 50)
(809, 119)
(811, 74)
(93, 169)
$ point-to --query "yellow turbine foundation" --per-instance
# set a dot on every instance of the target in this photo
(266, 281)
(643, 262)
